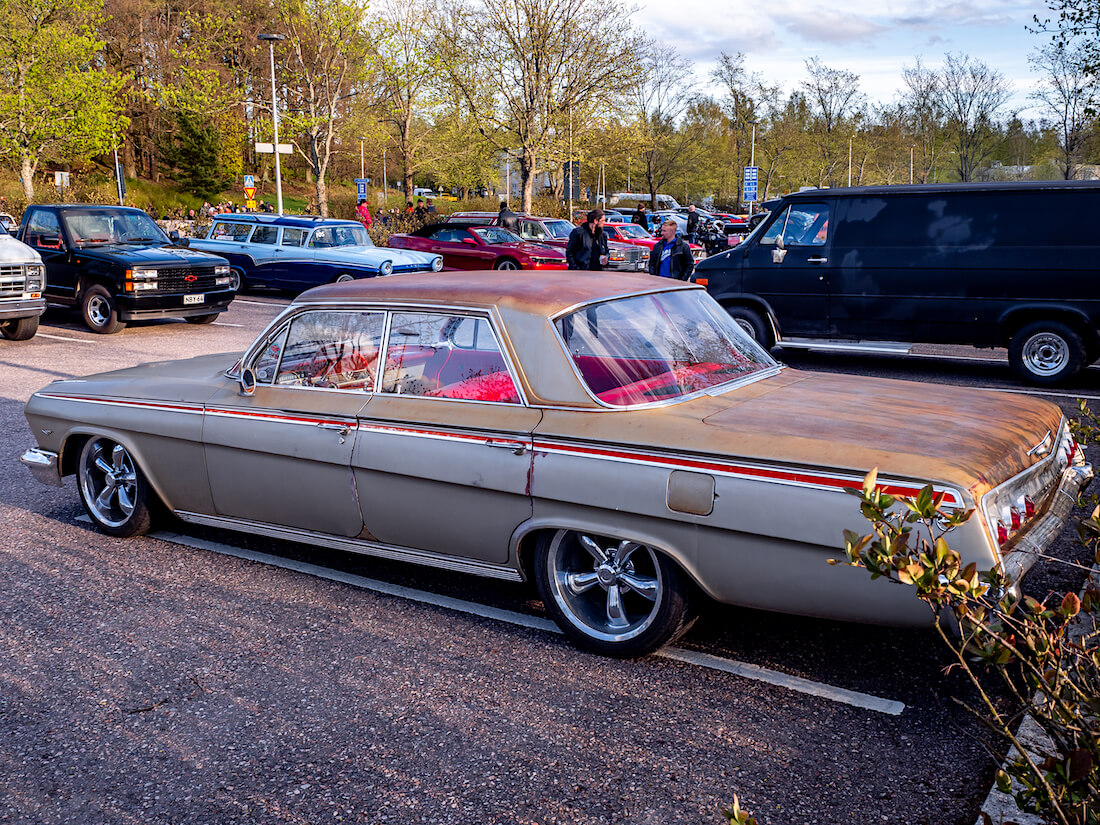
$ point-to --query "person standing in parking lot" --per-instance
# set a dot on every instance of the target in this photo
(507, 218)
(364, 213)
(587, 247)
(639, 217)
(671, 257)
(692, 223)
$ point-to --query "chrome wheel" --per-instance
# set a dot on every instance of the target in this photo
(235, 280)
(749, 329)
(609, 590)
(112, 488)
(343, 279)
(506, 264)
(1046, 353)
(99, 310)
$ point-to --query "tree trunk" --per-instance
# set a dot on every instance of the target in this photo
(527, 176)
(322, 196)
(26, 173)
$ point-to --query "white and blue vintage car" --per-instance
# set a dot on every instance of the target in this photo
(296, 252)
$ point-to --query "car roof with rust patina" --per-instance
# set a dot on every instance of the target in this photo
(532, 292)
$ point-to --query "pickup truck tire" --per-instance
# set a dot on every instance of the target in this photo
(19, 329)
(202, 319)
(1046, 353)
(97, 306)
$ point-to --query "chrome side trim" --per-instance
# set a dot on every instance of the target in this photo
(43, 466)
(879, 347)
(366, 548)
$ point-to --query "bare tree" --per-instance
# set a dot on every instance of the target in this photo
(921, 101)
(661, 96)
(744, 94)
(972, 95)
(1064, 92)
(546, 63)
(835, 103)
(328, 54)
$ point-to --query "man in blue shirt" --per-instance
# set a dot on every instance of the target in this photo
(671, 257)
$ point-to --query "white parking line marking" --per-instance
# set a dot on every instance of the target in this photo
(257, 303)
(1041, 392)
(63, 338)
(742, 669)
(225, 324)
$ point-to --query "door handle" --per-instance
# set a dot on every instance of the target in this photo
(517, 447)
(340, 428)
(817, 260)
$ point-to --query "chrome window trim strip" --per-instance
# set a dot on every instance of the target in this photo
(353, 545)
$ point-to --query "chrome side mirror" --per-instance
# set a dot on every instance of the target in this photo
(779, 253)
(247, 382)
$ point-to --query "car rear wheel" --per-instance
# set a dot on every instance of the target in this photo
(1046, 352)
(209, 318)
(615, 597)
(344, 278)
(19, 329)
(506, 263)
(97, 306)
(751, 322)
(236, 280)
(112, 488)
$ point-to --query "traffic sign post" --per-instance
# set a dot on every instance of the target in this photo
(751, 181)
(361, 189)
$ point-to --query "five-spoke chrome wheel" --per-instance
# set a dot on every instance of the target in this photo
(112, 488)
(615, 596)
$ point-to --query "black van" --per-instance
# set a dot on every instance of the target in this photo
(884, 267)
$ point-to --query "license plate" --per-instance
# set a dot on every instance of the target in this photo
(642, 265)
(193, 299)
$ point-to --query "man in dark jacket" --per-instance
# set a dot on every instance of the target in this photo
(639, 217)
(507, 218)
(692, 223)
(671, 257)
(587, 247)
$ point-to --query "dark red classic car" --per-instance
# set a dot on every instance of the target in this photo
(479, 247)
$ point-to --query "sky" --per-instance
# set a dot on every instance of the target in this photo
(873, 38)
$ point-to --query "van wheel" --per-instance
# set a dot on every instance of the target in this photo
(1046, 352)
(616, 597)
(751, 323)
(97, 305)
(19, 329)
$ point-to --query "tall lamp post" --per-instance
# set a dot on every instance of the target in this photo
(850, 160)
(271, 39)
(362, 163)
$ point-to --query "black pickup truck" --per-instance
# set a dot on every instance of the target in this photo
(117, 265)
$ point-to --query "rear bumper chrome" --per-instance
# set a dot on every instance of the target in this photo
(1035, 542)
(43, 466)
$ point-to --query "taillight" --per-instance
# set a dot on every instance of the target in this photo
(1029, 506)
(1002, 533)
(1014, 515)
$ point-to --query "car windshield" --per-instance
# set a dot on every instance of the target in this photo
(95, 227)
(658, 347)
(325, 237)
(494, 234)
(632, 230)
(558, 229)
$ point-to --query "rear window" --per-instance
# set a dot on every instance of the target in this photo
(659, 347)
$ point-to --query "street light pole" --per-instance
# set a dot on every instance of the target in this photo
(271, 39)
(362, 162)
(850, 160)
(911, 148)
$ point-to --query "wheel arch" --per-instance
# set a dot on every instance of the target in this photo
(759, 306)
(1017, 317)
(74, 442)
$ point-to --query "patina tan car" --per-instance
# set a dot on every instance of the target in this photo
(617, 438)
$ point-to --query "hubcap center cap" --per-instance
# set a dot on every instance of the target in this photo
(607, 575)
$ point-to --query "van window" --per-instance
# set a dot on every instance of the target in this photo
(802, 224)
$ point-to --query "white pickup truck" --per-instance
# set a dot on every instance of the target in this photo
(22, 286)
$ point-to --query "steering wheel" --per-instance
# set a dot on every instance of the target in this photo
(323, 363)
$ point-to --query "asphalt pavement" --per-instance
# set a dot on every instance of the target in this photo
(202, 676)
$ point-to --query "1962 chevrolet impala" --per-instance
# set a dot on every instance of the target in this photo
(616, 437)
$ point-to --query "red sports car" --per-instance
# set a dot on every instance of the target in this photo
(479, 247)
(633, 234)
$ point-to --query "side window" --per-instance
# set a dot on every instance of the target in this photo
(802, 224)
(532, 231)
(322, 238)
(333, 350)
(266, 365)
(446, 235)
(446, 356)
(230, 231)
(293, 237)
(44, 230)
(265, 234)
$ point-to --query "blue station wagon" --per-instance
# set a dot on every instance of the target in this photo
(296, 252)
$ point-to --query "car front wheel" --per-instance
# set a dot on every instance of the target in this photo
(506, 263)
(97, 305)
(1046, 352)
(615, 597)
(113, 489)
(19, 329)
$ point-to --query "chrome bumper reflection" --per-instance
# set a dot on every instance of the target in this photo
(1046, 530)
(43, 466)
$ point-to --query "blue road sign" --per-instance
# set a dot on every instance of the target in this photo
(361, 188)
(752, 177)
(249, 182)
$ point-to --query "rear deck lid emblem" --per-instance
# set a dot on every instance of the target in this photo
(1043, 447)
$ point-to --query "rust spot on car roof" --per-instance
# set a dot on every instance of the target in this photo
(536, 292)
